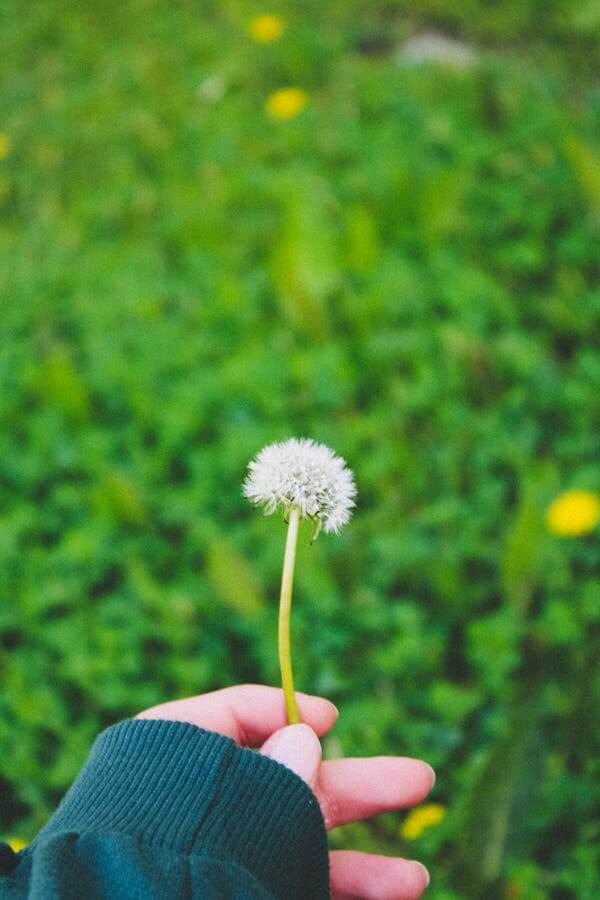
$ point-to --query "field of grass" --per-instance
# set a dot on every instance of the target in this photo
(397, 257)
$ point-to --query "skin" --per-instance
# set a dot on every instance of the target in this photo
(347, 789)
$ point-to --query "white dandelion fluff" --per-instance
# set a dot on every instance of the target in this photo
(302, 474)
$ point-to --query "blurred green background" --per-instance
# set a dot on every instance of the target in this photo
(400, 259)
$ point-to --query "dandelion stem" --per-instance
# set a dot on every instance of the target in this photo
(285, 608)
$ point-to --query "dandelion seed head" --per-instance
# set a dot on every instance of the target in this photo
(303, 474)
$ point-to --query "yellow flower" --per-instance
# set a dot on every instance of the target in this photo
(421, 818)
(266, 28)
(16, 843)
(286, 103)
(573, 513)
(4, 145)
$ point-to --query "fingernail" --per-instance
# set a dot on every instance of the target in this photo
(423, 871)
(337, 712)
(433, 775)
(298, 748)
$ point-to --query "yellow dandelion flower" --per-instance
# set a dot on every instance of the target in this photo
(267, 28)
(16, 843)
(421, 818)
(4, 145)
(573, 513)
(286, 103)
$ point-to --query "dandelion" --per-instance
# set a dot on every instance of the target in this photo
(212, 89)
(286, 103)
(306, 475)
(4, 145)
(16, 844)
(574, 513)
(304, 480)
(421, 818)
(266, 28)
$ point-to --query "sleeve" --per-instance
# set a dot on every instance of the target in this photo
(164, 810)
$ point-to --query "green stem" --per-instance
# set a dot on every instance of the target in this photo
(285, 608)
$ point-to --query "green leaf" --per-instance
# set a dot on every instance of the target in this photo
(585, 162)
(234, 578)
(522, 553)
(60, 383)
(305, 257)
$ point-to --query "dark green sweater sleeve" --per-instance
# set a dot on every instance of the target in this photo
(168, 810)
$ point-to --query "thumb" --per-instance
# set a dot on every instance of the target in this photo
(298, 748)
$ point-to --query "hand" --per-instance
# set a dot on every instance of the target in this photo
(347, 789)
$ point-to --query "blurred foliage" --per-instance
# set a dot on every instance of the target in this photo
(407, 270)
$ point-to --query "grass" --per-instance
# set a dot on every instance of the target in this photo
(406, 269)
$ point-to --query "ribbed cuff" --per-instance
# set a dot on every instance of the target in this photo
(177, 786)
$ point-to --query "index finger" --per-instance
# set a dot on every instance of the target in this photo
(249, 713)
